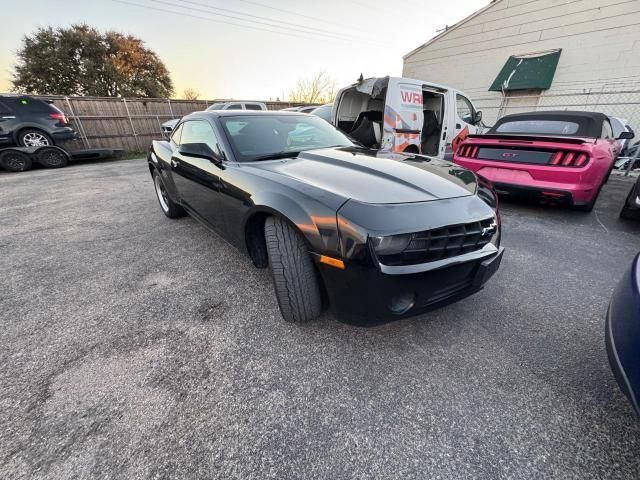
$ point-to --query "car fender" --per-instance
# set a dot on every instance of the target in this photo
(160, 157)
(314, 220)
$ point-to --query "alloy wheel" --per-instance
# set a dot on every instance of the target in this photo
(35, 139)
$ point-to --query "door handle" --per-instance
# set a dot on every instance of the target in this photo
(7, 117)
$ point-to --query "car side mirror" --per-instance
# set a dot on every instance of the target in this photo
(625, 135)
(201, 150)
(477, 118)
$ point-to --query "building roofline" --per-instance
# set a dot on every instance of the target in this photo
(453, 27)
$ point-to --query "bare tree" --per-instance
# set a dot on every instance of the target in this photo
(190, 94)
(319, 88)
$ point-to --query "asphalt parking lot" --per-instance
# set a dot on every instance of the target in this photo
(134, 346)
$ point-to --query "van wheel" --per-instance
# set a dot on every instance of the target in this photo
(52, 158)
(294, 275)
(15, 161)
(168, 206)
(34, 138)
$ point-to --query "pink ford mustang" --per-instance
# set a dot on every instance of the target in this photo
(554, 156)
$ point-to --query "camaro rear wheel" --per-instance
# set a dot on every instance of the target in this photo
(34, 138)
(15, 161)
(169, 208)
(294, 275)
(52, 158)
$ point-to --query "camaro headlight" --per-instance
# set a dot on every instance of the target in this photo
(391, 244)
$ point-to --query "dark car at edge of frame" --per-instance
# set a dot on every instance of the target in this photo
(622, 333)
(377, 236)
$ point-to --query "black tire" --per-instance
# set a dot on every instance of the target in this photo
(168, 206)
(52, 158)
(294, 276)
(15, 161)
(627, 212)
(32, 137)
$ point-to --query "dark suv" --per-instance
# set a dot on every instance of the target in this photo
(31, 122)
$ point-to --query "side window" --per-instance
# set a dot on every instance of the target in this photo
(234, 106)
(175, 136)
(464, 108)
(199, 131)
(607, 131)
(4, 109)
(252, 106)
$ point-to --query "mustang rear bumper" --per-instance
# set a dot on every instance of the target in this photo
(579, 186)
(365, 294)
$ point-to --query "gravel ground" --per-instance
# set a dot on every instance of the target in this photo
(134, 346)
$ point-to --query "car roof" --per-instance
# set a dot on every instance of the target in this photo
(243, 113)
(558, 114)
(589, 123)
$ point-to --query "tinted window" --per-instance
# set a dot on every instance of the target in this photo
(5, 108)
(464, 108)
(234, 106)
(540, 127)
(30, 105)
(324, 112)
(216, 106)
(607, 131)
(175, 136)
(258, 136)
(252, 106)
(199, 131)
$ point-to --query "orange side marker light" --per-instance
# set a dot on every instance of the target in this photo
(334, 262)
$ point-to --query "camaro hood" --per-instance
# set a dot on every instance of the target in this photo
(369, 176)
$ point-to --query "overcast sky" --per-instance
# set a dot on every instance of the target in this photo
(230, 49)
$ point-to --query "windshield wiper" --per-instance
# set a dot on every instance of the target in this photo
(277, 155)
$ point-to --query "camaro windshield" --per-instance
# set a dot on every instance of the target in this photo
(260, 137)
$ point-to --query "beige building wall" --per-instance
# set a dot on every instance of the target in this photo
(600, 42)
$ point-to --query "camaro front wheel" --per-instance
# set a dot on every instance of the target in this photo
(294, 275)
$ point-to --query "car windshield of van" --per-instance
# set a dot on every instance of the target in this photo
(539, 127)
(266, 137)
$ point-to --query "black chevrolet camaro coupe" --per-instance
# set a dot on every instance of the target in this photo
(376, 235)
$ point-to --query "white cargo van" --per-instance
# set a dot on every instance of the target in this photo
(405, 115)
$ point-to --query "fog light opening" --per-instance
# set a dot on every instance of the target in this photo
(402, 303)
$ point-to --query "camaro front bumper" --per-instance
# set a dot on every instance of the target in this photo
(366, 294)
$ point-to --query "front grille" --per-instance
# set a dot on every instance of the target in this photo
(442, 243)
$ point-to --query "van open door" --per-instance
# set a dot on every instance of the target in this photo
(393, 114)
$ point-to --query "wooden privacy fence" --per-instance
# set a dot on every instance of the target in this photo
(128, 123)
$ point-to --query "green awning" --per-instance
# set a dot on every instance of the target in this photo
(523, 72)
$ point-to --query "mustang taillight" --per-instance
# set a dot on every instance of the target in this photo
(469, 151)
(569, 159)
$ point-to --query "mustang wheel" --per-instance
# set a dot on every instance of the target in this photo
(52, 158)
(15, 161)
(169, 208)
(34, 138)
(294, 275)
